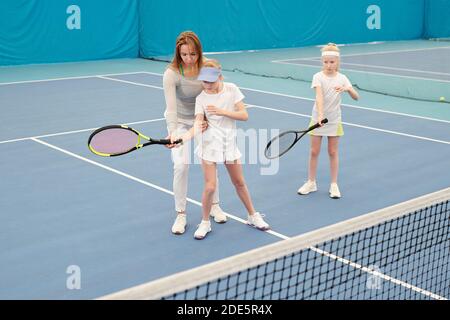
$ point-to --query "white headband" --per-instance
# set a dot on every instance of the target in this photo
(330, 53)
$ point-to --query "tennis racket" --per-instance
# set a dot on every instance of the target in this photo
(285, 141)
(116, 140)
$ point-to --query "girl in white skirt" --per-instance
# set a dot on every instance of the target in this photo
(222, 104)
(328, 84)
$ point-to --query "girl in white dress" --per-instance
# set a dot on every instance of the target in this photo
(328, 84)
(222, 104)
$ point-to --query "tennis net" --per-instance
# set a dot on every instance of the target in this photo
(400, 252)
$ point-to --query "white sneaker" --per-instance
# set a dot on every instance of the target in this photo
(334, 191)
(256, 220)
(179, 226)
(203, 228)
(218, 214)
(309, 186)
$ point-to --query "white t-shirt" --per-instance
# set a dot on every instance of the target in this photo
(331, 98)
(220, 136)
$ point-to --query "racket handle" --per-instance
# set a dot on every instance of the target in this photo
(167, 141)
(317, 125)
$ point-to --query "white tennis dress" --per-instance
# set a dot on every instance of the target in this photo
(219, 142)
(331, 103)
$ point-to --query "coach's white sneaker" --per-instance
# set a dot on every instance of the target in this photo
(179, 226)
(203, 228)
(218, 214)
(334, 191)
(309, 186)
(256, 220)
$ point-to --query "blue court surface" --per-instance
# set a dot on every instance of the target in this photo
(62, 206)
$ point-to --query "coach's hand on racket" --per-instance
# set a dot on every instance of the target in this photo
(178, 141)
(172, 139)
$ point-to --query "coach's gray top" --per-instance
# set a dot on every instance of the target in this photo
(180, 93)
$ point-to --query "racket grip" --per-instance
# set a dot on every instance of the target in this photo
(167, 141)
(317, 125)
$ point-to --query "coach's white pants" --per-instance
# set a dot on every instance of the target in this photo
(182, 156)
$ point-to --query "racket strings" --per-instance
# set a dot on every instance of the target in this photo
(114, 141)
(281, 144)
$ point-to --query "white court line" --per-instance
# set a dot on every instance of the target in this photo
(396, 69)
(244, 88)
(190, 200)
(69, 78)
(381, 67)
(130, 82)
(351, 106)
(369, 53)
(371, 72)
(107, 76)
(330, 255)
(357, 125)
(343, 104)
(378, 274)
(146, 183)
(230, 52)
(76, 131)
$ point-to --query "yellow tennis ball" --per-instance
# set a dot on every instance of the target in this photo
(442, 99)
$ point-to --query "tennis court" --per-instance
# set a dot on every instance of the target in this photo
(64, 209)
